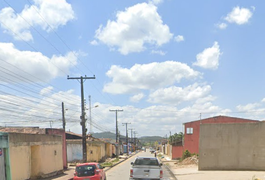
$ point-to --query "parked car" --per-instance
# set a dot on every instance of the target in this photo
(146, 168)
(152, 150)
(89, 171)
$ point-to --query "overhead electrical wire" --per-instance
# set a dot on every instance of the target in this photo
(32, 82)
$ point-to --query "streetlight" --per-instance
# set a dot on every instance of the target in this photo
(90, 118)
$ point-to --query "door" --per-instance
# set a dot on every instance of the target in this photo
(2, 164)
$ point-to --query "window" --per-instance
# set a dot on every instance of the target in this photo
(146, 161)
(85, 170)
(189, 131)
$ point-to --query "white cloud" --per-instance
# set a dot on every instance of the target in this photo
(134, 28)
(176, 95)
(46, 91)
(56, 13)
(179, 38)
(222, 25)
(162, 53)
(34, 65)
(209, 58)
(156, 1)
(147, 76)
(137, 97)
(248, 107)
(94, 43)
(239, 15)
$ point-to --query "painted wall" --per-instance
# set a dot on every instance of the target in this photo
(74, 150)
(232, 146)
(34, 155)
(60, 132)
(108, 150)
(177, 152)
(191, 141)
(96, 151)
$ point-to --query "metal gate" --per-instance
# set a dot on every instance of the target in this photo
(2, 164)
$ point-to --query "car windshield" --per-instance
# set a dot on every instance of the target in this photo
(146, 161)
(86, 170)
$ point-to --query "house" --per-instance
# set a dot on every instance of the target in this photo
(37, 130)
(192, 133)
(97, 150)
(29, 156)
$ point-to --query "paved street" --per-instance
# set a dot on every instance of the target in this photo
(122, 171)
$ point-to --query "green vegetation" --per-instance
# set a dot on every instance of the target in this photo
(111, 163)
(175, 138)
(150, 141)
(105, 135)
(187, 154)
(159, 155)
(255, 178)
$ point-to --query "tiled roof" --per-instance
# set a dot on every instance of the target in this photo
(27, 130)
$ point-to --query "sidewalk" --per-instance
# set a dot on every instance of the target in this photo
(188, 172)
(69, 173)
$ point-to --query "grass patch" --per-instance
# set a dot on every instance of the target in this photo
(111, 163)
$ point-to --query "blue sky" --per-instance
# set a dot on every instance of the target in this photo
(163, 62)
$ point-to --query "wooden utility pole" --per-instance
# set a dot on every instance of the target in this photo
(63, 117)
(83, 114)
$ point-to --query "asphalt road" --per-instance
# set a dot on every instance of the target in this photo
(122, 170)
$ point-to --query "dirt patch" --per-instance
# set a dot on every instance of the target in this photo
(186, 163)
(190, 161)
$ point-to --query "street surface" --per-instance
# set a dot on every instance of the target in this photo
(122, 170)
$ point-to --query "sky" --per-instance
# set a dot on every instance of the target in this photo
(162, 62)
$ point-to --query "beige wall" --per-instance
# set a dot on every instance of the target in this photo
(232, 146)
(34, 155)
(96, 151)
(20, 162)
(109, 150)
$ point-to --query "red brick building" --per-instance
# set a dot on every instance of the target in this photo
(192, 133)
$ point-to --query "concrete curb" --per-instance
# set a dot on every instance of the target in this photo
(170, 171)
(106, 169)
(168, 168)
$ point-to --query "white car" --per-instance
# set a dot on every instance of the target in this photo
(146, 168)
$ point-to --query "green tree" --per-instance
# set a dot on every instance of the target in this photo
(175, 138)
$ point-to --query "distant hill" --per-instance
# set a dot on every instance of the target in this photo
(105, 135)
(150, 139)
(144, 139)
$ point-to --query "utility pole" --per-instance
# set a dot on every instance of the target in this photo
(63, 117)
(131, 138)
(135, 143)
(83, 114)
(117, 132)
(127, 137)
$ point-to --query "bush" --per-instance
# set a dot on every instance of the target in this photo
(186, 154)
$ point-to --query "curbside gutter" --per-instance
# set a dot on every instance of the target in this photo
(131, 155)
(168, 168)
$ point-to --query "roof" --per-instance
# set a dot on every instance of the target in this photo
(220, 116)
(72, 135)
(27, 130)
